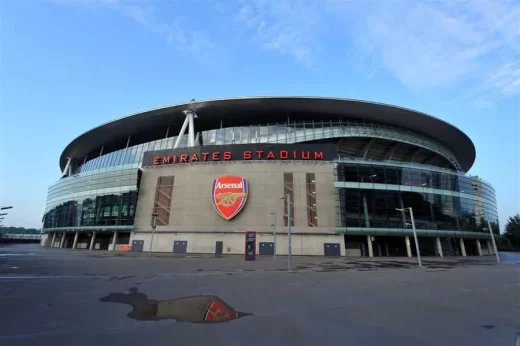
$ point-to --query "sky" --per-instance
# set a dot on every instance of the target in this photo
(69, 65)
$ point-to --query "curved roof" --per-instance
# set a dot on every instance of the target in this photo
(246, 111)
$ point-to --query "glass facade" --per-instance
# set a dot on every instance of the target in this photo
(293, 132)
(106, 198)
(368, 196)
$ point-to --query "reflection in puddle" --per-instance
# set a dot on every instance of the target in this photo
(195, 309)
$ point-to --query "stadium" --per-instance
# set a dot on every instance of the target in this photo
(348, 177)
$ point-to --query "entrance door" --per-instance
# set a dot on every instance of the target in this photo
(218, 248)
(266, 248)
(137, 245)
(332, 249)
(180, 247)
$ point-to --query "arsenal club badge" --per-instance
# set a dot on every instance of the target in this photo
(229, 195)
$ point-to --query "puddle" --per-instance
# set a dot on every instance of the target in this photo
(122, 277)
(489, 326)
(194, 309)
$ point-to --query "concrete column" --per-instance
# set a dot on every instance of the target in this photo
(379, 253)
(75, 240)
(479, 248)
(114, 241)
(387, 252)
(408, 248)
(92, 240)
(365, 209)
(462, 247)
(54, 238)
(62, 242)
(439, 246)
(370, 250)
(490, 249)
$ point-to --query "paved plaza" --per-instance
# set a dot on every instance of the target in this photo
(64, 297)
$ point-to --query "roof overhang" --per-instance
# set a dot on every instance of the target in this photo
(262, 110)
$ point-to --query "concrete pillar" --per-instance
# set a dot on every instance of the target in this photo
(92, 240)
(408, 248)
(75, 240)
(439, 246)
(479, 248)
(370, 250)
(114, 242)
(62, 242)
(387, 252)
(379, 253)
(490, 249)
(365, 209)
(462, 247)
(54, 239)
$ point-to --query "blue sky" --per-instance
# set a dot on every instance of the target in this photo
(69, 65)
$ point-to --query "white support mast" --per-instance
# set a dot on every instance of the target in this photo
(67, 169)
(189, 122)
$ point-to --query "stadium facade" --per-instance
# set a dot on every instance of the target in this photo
(205, 173)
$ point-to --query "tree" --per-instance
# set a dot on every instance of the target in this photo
(513, 230)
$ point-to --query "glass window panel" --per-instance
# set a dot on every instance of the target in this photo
(288, 190)
(263, 134)
(393, 175)
(365, 174)
(312, 214)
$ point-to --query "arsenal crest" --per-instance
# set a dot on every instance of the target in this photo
(229, 195)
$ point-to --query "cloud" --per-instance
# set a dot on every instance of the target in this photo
(469, 49)
(197, 44)
(442, 44)
(289, 27)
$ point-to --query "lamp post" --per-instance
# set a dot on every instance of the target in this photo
(4, 208)
(409, 209)
(288, 232)
(274, 235)
(154, 225)
(493, 240)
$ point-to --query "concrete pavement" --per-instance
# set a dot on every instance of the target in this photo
(55, 297)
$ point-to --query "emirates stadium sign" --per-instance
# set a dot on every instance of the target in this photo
(247, 152)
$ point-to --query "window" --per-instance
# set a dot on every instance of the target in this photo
(288, 189)
(312, 214)
(163, 200)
